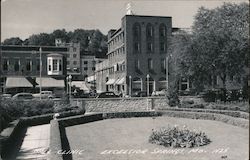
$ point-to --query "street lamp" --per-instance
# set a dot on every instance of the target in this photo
(69, 78)
(148, 84)
(130, 85)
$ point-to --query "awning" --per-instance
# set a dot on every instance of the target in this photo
(120, 81)
(110, 81)
(91, 78)
(121, 62)
(50, 82)
(14, 82)
(80, 85)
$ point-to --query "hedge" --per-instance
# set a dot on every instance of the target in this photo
(80, 119)
(208, 116)
(130, 114)
(237, 114)
(46, 118)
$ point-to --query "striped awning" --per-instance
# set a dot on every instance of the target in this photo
(110, 81)
(120, 81)
(15, 82)
(50, 82)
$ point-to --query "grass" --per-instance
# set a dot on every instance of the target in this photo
(131, 135)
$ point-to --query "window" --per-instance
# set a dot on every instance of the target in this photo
(85, 68)
(162, 47)
(137, 64)
(38, 64)
(68, 63)
(60, 65)
(137, 30)
(85, 62)
(68, 55)
(74, 49)
(150, 64)
(162, 30)
(49, 64)
(28, 64)
(74, 55)
(74, 62)
(93, 68)
(137, 47)
(17, 65)
(163, 64)
(5, 65)
(55, 65)
(149, 31)
(150, 47)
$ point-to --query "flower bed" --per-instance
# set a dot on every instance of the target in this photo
(178, 137)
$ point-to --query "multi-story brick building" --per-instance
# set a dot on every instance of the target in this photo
(21, 68)
(73, 58)
(88, 64)
(137, 54)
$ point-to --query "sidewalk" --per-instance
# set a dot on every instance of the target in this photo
(35, 144)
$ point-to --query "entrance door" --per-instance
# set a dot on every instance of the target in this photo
(151, 87)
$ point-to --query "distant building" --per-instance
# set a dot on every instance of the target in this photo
(73, 58)
(88, 65)
(101, 75)
(136, 55)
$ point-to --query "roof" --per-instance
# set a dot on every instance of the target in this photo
(147, 16)
(33, 48)
(54, 55)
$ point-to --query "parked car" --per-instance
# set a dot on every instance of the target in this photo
(140, 94)
(159, 93)
(44, 95)
(107, 95)
(23, 96)
(6, 96)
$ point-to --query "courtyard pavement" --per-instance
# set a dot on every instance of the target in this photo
(35, 144)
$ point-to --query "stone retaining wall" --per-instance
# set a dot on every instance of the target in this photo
(122, 104)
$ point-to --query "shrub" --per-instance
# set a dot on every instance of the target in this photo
(173, 98)
(178, 137)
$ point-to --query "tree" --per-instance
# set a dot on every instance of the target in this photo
(177, 50)
(13, 41)
(41, 39)
(62, 34)
(220, 45)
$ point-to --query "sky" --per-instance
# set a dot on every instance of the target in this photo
(22, 18)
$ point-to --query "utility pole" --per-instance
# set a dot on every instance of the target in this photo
(167, 73)
(40, 50)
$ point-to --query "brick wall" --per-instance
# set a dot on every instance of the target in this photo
(123, 104)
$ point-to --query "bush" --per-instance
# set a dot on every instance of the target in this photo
(240, 122)
(178, 137)
(173, 98)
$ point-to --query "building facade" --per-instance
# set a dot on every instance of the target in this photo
(88, 65)
(22, 67)
(137, 54)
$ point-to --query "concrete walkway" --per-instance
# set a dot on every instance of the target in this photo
(35, 144)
